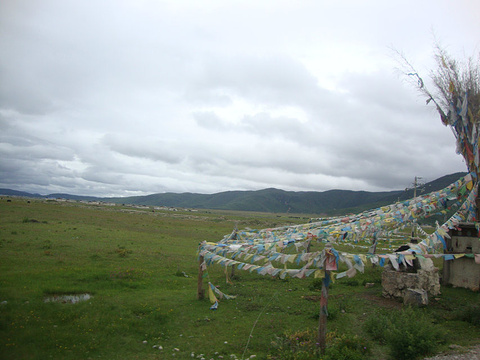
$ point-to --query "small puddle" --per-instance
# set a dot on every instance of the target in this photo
(68, 299)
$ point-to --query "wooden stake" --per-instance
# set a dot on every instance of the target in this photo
(477, 204)
(234, 237)
(322, 320)
(200, 290)
(373, 248)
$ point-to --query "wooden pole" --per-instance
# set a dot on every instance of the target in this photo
(200, 290)
(477, 204)
(322, 320)
(373, 248)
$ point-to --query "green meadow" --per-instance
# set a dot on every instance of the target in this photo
(139, 268)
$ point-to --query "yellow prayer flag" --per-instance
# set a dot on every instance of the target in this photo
(470, 185)
(333, 276)
(211, 295)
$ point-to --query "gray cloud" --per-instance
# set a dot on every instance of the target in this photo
(139, 97)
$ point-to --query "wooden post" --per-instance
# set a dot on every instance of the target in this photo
(234, 237)
(200, 290)
(477, 205)
(373, 248)
(322, 320)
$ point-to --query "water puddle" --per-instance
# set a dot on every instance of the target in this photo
(68, 299)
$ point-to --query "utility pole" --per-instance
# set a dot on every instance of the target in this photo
(416, 183)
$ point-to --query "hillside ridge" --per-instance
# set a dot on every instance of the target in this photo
(266, 200)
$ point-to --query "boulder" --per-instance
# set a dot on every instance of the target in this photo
(415, 297)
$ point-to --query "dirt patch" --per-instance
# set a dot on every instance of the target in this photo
(472, 353)
(376, 299)
(381, 301)
(314, 298)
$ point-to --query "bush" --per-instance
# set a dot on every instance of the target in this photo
(376, 326)
(346, 347)
(302, 345)
(409, 334)
(470, 314)
(298, 345)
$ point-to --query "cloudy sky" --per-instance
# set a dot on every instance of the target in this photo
(132, 97)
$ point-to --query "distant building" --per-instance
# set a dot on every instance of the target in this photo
(462, 271)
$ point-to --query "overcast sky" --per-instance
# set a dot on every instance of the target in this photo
(132, 97)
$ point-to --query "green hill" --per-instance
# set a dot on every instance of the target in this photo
(269, 200)
(280, 201)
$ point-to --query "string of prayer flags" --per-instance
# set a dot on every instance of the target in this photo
(285, 251)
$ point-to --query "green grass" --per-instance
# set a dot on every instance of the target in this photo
(133, 263)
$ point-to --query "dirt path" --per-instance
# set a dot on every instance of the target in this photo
(472, 353)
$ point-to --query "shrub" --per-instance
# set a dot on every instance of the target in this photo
(346, 347)
(302, 345)
(376, 326)
(299, 345)
(409, 334)
(470, 314)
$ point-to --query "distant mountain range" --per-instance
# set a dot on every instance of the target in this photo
(267, 200)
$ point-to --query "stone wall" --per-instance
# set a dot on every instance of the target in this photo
(395, 283)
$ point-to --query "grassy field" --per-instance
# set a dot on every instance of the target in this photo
(140, 268)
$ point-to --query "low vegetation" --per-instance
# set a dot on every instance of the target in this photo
(86, 281)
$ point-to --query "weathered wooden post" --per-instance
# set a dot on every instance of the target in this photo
(200, 290)
(322, 320)
(373, 248)
(310, 237)
(234, 237)
(309, 242)
(477, 203)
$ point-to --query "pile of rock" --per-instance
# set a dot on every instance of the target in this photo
(412, 283)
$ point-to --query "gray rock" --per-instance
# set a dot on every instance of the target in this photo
(415, 297)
